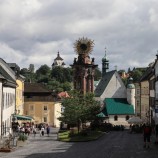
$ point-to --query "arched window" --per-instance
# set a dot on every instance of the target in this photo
(127, 117)
(115, 118)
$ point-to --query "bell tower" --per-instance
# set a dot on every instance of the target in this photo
(105, 64)
(83, 66)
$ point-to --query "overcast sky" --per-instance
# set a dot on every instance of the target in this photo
(33, 31)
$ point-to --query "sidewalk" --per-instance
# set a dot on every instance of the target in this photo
(35, 143)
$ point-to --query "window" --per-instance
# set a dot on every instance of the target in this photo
(115, 118)
(31, 107)
(127, 117)
(138, 91)
(45, 107)
(45, 119)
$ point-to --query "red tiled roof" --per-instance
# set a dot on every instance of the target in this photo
(63, 95)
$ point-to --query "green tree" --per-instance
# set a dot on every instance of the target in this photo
(137, 74)
(66, 86)
(31, 68)
(79, 108)
(61, 74)
(43, 70)
(53, 85)
(29, 76)
(97, 75)
(43, 74)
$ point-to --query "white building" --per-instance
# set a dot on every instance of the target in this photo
(119, 101)
(58, 61)
(7, 97)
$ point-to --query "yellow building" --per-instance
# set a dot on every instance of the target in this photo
(41, 104)
(19, 95)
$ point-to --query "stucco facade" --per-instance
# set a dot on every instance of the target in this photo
(137, 99)
(7, 97)
(144, 97)
(43, 112)
(41, 104)
(115, 88)
(20, 96)
(121, 120)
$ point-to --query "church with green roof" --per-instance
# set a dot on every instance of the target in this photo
(118, 100)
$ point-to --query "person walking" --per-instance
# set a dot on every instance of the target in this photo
(34, 131)
(147, 134)
(48, 130)
(42, 131)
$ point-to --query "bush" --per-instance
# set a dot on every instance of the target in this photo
(22, 137)
(84, 132)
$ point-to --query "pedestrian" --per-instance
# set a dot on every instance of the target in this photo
(34, 131)
(48, 130)
(147, 134)
(42, 131)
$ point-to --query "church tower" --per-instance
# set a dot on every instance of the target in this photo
(83, 66)
(105, 65)
(58, 61)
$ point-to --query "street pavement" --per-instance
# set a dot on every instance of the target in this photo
(116, 144)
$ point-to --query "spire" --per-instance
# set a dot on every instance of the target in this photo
(104, 58)
(105, 64)
(58, 54)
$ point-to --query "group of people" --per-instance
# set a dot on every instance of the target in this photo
(27, 130)
(42, 130)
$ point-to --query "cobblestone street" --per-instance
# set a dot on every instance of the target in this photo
(116, 144)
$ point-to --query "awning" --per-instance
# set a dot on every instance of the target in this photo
(23, 117)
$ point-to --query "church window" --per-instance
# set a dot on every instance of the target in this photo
(127, 117)
(115, 118)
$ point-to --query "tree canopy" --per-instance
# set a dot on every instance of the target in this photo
(79, 108)
(56, 79)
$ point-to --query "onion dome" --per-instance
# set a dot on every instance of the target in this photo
(104, 59)
(130, 84)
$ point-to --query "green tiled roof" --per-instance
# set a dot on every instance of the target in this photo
(103, 83)
(118, 106)
(103, 113)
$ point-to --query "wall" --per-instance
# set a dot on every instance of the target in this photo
(36, 110)
(9, 106)
(121, 120)
(19, 97)
(144, 99)
(57, 113)
(115, 88)
(1, 104)
(137, 99)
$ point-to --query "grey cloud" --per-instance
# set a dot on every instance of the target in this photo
(37, 28)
